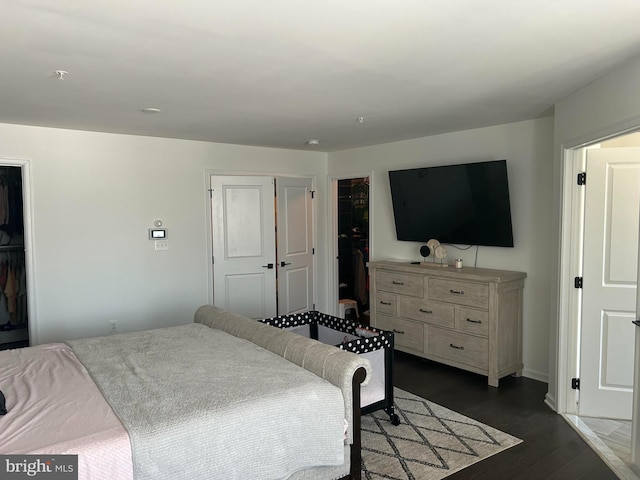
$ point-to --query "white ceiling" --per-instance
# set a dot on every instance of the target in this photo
(276, 73)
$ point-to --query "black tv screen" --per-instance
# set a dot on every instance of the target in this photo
(460, 204)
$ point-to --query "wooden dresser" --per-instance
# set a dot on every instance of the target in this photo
(470, 318)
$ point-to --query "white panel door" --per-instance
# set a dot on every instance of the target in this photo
(243, 224)
(295, 245)
(635, 424)
(610, 277)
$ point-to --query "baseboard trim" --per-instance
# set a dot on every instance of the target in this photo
(551, 402)
(539, 376)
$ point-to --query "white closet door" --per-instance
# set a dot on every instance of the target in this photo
(295, 245)
(243, 221)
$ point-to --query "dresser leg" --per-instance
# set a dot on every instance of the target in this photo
(493, 381)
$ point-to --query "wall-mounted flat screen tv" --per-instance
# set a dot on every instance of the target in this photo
(466, 204)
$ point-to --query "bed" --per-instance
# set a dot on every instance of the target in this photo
(222, 397)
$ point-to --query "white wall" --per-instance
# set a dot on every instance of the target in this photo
(527, 146)
(606, 107)
(94, 197)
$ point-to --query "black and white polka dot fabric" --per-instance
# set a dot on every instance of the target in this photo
(369, 338)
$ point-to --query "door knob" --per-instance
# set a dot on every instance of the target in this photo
(283, 263)
(268, 265)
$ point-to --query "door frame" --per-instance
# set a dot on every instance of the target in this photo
(209, 244)
(29, 257)
(332, 241)
(570, 266)
(568, 300)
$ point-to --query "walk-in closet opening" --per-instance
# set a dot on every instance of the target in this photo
(14, 331)
(353, 248)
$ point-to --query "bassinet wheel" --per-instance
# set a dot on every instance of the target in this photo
(395, 420)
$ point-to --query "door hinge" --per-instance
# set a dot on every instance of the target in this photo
(575, 383)
(577, 282)
(313, 193)
(212, 260)
(582, 178)
(210, 190)
(313, 251)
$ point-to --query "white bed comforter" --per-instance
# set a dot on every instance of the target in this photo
(236, 411)
(199, 403)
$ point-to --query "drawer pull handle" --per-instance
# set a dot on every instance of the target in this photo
(398, 283)
(474, 321)
(385, 303)
(457, 292)
(456, 347)
(398, 331)
(426, 311)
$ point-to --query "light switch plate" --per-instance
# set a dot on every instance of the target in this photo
(162, 245)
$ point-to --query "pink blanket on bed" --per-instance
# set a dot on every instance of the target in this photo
(64, 414)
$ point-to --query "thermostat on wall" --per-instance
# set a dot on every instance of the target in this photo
(157, 233)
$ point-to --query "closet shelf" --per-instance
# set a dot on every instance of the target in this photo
(11, 247)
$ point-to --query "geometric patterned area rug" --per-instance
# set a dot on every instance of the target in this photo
(431, 441)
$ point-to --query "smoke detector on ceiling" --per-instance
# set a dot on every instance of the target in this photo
(60, 74)
(313, 141)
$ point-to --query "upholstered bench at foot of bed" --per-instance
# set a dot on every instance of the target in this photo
(328, 362)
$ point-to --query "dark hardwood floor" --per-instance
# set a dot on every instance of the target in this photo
(551, 449)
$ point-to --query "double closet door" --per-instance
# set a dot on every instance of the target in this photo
(262, 228)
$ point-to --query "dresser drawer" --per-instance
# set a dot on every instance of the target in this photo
(425, 311)
(472, 320)
(386, 303)
(458, 347)
(406, 334)
(461, 293)
(403, 283)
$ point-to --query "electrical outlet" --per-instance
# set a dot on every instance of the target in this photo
(113, 326)
(162, 245)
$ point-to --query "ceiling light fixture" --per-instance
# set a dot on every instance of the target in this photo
(60, 74)
(151, 110)
(313, 141)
